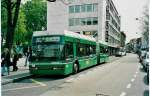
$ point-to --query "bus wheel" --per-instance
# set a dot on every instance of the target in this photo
(75, 68)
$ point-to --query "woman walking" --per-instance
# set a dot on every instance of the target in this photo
(15, 59)
(5, 61)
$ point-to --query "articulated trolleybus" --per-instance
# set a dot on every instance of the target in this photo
(65, 53)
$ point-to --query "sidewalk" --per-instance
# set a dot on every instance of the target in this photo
(22, 73)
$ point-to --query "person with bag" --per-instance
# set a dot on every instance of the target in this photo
(28, 55)
(15, 59)
(5, 57)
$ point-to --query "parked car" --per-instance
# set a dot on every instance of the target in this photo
(145, 61)
(120, 53)
(141, 55)
(147, 74)
(128, 51)
(123, 53)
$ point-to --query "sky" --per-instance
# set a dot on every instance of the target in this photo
(129, 10)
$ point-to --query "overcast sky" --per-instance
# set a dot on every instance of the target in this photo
(129, 11)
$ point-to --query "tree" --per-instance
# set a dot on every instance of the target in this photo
(12, 7)
(20, 32)
(3, 25)
(35, 14)
(145, 24)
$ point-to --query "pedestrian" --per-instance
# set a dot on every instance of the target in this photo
(5, 57)
(15, 59)
(28, 55)
(25, 48)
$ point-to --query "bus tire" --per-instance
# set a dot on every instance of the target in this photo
(75, 68)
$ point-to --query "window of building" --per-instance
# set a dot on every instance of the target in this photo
(71, 9)
(83, 21)
(71, 22)
(107, 15)
(77, 21)
(89, 7)
(77, 8)
(89, 32)
(95, 21)
(95, 7)
(89, 21)
(83, 8)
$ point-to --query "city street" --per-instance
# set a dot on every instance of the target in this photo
(122, 77)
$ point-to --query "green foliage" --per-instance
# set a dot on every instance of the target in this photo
(32, 17)
(20, 31)
(145, 24)
(35, 14)
(3, 23)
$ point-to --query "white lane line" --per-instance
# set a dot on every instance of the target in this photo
(123, 94)
(128, 86)
(37, 82)
(135, 76)
(132, 80)
(20, 88)
(81, 75)
(69, 79)
(136, 72)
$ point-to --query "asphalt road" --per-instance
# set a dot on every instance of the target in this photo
(123, 77)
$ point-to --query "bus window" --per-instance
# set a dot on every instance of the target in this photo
(81, 50)
(106, 50)
(92, 49)
(102, 49)
(69, 50)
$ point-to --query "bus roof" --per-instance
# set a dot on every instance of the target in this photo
(65, 33)
(103, 43)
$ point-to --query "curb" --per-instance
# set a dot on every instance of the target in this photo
(28, 75)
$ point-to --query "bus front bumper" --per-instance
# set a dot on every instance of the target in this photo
(50, 70)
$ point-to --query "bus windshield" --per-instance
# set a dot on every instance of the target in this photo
(48, 52)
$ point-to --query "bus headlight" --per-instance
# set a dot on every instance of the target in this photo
(33, 65)
(67, 66)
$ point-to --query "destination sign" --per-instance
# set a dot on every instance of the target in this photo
(47, 39)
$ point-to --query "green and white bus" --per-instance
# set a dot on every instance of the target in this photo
(65, 53)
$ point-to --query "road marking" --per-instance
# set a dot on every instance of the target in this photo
(37, 82)
(135, 76)
(123, 94)
(95, 69)
(20, 88)
(128, 86)
(69, 79)
(136, 72)
(81, 75)
(132, 80)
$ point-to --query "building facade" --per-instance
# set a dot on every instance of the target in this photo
(133, 44)
(97, 18)
(122, 39)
